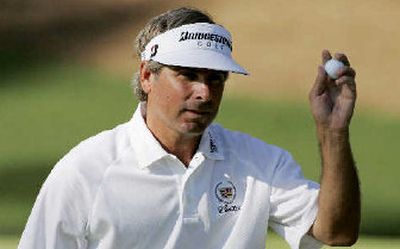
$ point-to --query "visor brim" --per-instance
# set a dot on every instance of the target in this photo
(200, 58)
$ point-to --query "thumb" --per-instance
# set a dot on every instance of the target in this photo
(320, 82)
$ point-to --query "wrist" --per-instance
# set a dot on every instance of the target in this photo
(325, 133)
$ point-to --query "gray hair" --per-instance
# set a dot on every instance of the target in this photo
(159, 24)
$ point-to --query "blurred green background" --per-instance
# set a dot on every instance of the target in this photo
(65, 75)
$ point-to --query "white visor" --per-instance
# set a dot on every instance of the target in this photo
(198, 45)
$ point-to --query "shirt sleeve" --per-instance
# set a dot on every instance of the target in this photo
(58, 218)
(294, 202)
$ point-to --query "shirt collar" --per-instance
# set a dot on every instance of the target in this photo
(211, 144)
(149, 150)
(146, 146)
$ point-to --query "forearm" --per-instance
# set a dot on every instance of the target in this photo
(338, 217)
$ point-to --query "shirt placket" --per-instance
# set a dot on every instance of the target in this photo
(190, 195)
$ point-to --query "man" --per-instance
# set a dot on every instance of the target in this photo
(170, 179)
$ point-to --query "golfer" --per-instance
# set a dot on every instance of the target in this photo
(170, 178)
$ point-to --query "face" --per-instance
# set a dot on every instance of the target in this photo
(183, 100)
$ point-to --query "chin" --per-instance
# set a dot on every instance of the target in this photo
(194, 129)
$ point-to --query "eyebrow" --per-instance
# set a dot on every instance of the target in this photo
(179, 68)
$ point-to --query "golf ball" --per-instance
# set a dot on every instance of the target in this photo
(332, 67)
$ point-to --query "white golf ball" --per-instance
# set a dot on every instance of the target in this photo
(332, 67)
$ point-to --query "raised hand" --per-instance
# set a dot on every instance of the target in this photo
(332, 101)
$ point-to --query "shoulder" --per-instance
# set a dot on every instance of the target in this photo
(85, 164)
(239, 142)
(256, 157)
(254, 152)
(102, 148)
(71, 187)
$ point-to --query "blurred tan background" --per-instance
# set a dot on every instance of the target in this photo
(65, 69)
(279, 42)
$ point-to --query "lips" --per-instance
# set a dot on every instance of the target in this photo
(196, 114)
(199, 112)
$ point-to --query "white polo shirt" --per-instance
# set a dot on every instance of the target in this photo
(120, 189)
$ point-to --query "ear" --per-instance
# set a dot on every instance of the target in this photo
(145, 77)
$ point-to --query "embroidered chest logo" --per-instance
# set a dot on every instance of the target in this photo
(225, 192)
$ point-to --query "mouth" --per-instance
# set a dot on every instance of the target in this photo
(195, 113)
(199, 112)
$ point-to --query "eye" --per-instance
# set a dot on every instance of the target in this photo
(188, 75)
(217, 78)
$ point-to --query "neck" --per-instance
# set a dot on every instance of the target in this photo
(183, 146)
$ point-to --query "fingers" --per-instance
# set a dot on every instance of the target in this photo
(346, 71)
(348, 86)
(320, 82)
(345, 80)
(326, 56)
(343, 58)
(346, 76)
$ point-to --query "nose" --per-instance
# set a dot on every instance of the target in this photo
(202, 91)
